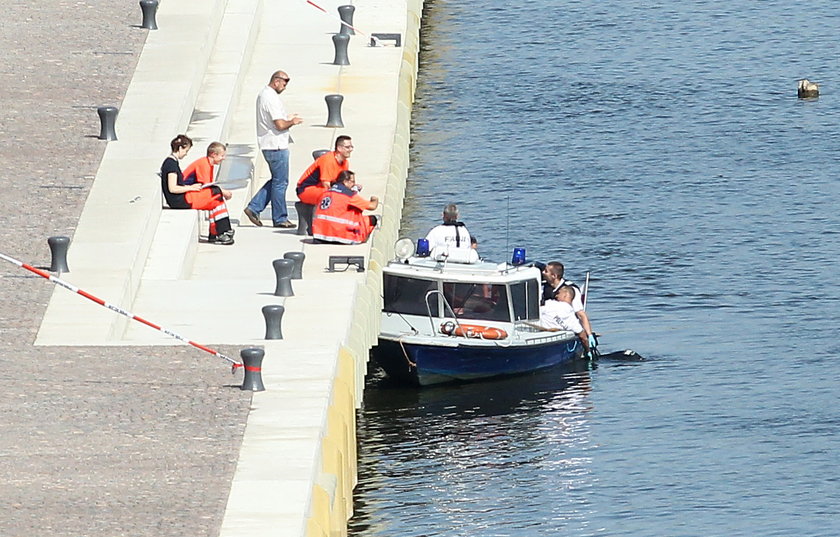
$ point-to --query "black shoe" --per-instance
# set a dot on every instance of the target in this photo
(285, 224)
(225, 238)
(253, 217)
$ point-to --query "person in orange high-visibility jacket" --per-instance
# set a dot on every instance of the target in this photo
(338, 216)
(201, 170)
(318, 177)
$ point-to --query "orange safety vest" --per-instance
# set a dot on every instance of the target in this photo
(338, 217)
(200, 171)
(325, 169)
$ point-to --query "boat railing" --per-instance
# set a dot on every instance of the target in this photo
(504, 343)
(446, 306)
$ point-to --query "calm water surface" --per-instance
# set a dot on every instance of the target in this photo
(661, 146)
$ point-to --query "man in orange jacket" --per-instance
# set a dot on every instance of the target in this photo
(338, 216)
(201, 170)
(318, 177)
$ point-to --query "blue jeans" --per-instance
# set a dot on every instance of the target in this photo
(274, 190)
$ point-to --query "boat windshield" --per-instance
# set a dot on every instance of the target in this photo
(408, 295)
(526, 300)
(481, 301)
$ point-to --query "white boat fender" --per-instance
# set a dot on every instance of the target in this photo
(455, 255)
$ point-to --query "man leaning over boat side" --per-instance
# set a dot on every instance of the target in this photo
(553, 275)
(451, 233)
(558, 314)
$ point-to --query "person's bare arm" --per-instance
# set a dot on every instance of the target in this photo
(284, 124)
(584, 321)
(175, 188)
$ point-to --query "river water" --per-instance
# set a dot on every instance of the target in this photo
(661, 146)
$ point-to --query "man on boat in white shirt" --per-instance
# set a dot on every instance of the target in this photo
(553, 273)
(451, 233)
(558, 314)
(450, 241)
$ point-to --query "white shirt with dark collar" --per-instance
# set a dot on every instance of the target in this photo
(577, 300)
(449, 235)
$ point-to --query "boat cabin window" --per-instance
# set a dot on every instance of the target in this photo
(408, 295)
(526, 300)
(485, 302)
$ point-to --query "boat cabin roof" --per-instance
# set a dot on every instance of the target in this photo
(482, 271)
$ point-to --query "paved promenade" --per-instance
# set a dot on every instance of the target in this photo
(95, 441)
(107, 428)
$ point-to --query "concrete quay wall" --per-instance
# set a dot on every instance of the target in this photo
(324, 496)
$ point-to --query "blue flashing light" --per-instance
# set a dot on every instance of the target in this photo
(423, 247)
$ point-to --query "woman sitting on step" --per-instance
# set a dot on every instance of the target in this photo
(180, 195)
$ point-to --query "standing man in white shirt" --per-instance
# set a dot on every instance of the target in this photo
(451, 233)
(273, 124)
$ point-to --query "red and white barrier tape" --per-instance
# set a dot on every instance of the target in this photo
(313, 4)
(62, 283)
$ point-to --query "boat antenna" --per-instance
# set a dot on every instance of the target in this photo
(507, 227)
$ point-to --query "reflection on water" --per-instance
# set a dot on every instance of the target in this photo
(445, 452)
(660, 145)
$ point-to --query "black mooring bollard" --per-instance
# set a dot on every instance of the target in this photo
(273, 321)
(107, 120)
(318, 153)
(252, 360)
(149, 8)
(298, 258)
(58, 250)
(283, 269)
(334, 110)
(341, 41)
(304, 213)
(346, 15)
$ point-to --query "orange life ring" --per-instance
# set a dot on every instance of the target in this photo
(472, 330)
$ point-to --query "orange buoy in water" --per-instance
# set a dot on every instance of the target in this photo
(472, 330)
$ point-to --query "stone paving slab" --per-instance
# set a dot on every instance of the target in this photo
(94, 441)
(166, 423)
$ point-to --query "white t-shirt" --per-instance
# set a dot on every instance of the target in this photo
(556, 314)
(444, 236)
(577, 300)
(269, 108)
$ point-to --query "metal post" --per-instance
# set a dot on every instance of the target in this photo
(340, 41)
(346, 14)
(149, 8)
(252, 359)
(283, 270)
(298, 258)
(334, 110)
(107, 120)
(304, 213)
(58, 249)
(273, 321)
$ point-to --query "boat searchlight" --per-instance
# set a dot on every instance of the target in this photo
(403, 249)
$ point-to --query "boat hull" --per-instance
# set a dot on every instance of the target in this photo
(423, 364)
